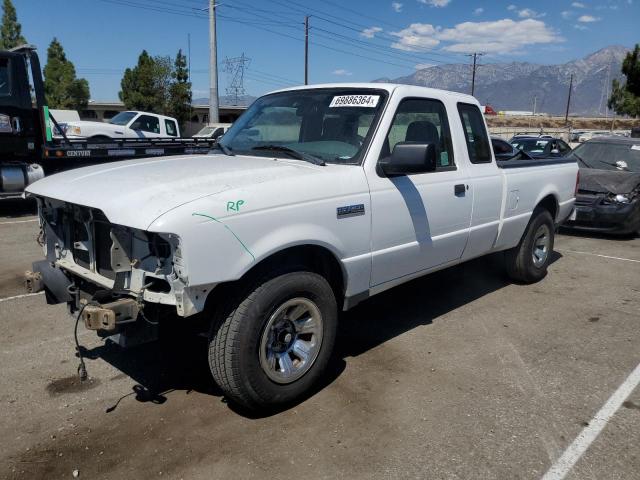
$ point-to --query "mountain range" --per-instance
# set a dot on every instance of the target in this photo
(517, 85)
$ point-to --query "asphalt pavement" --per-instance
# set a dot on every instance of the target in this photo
(461, 374)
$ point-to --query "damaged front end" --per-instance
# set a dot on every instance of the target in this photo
(607, 202)
(123, 280)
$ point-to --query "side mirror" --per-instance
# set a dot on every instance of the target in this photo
(135, 126)
(409, 157)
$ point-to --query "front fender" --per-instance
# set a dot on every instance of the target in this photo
(222, 249)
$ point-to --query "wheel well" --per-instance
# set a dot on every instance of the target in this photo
(313, 258)
(549, 203)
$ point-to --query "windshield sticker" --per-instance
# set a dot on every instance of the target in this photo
(635, 147)
(369, 101)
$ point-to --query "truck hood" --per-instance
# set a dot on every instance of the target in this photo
(100, 125)
(136, 192)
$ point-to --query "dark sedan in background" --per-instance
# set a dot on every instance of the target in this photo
(608, 197)
(503, 150)
(541, 146)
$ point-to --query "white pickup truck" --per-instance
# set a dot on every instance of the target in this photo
(124, 125)
(317, 198)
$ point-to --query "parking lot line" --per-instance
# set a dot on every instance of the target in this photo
(585, 438)
(15, 297)
(599, 255)
(19, 221)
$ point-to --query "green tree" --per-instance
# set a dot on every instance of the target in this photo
(146, 86)
(163, 79)
(158, 85)
(625, 98)
(61, 87)
(10, 32)
(180, 91)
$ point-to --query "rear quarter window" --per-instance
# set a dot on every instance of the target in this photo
(475, 133)
(170, 126)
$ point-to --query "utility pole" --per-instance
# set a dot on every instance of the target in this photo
(189, 74)
(606, 96)
(566, 116)
(213, 65)
(535, 102)
(475, 56)
(306, 50)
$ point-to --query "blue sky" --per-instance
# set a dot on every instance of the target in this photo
(357, 40)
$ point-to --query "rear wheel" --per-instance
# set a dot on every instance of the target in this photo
(272, 345)
(528, 261)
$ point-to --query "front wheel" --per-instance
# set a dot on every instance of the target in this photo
(271, 346)
(528, 261)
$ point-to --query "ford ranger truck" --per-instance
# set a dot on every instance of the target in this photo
(316, 198)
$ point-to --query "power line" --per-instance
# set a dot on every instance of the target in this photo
(392, 53)
(360, 14)
(342, 22)
(152, 8)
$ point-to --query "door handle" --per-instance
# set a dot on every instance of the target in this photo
(460, 189)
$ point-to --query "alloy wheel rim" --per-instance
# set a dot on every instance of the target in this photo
(291, 340)
(541, 241)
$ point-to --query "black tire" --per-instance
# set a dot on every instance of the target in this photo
(99, 138)
(236, 333)
(520, 259)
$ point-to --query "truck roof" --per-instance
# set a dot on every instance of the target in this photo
(389, 87)
(148, 113)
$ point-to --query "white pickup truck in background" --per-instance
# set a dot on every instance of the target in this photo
(318, 198)
(123, 125)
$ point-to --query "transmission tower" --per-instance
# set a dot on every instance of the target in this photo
(234, 68)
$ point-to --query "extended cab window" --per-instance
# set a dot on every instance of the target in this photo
(421, 120)
(170, 125)
(146, 123)
(4, 77)
(563, 147)
(475, 133)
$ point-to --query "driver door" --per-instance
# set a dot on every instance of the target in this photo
(419, 221)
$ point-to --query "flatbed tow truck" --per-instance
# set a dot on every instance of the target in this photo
(28, 148)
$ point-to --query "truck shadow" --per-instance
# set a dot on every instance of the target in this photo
(569, 232)
(178, 362)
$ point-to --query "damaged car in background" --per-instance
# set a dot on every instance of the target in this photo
(608, 197)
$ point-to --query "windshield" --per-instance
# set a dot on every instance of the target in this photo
(333, 124)
(122, 118)
(609, 156)
(530, 145)
(206, 131)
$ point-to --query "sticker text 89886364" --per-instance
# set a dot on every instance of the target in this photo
(369, 101)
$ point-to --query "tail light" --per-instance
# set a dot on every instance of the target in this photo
(575, 193)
